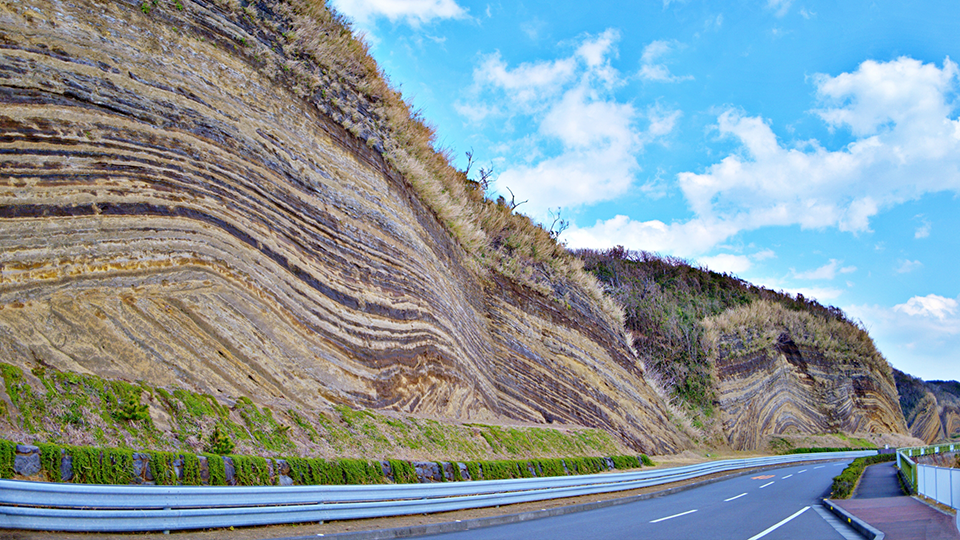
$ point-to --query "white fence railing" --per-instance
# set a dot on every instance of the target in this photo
(941, 484)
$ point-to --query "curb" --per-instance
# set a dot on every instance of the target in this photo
(858, 524)
(478, 523)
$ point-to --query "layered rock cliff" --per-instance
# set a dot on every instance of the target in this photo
(181, 201)
(931, 408)
(780, 371)
(746, 363)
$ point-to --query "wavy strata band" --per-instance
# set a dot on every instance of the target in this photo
(170, 213)
(179, 205)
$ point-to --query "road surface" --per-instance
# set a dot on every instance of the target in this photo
(773, 505)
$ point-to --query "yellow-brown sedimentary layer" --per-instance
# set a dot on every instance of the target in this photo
(931, 408)
(786, 372)
(924, 420)
(170, 213)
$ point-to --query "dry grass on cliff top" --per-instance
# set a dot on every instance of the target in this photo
(758, 325)
(323, 60)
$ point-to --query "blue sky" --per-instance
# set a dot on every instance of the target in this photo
(807, 146)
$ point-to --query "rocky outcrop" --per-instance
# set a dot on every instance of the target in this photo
(786, 372)
(931, 408)
(174, 209)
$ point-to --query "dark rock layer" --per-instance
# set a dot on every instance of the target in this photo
(170, 210)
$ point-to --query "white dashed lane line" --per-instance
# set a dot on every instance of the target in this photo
(803, 471)
(765, 485)
(820, 467)
(778, 525)
(787, 476)
(734, 498)
(673, 516)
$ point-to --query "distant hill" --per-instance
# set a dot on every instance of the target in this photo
(745, 362)
(931, 408)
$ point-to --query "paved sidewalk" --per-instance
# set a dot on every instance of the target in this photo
(880, 502)
(903, 518)
(879, 481)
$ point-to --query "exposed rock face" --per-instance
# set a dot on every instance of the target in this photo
(931, 408)
(170, 212)
(785, 372)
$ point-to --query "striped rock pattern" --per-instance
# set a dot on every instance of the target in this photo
(780, 380)
(173, 213)
(931, 408)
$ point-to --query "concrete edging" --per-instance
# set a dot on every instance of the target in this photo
(478, 523)
(861, 526)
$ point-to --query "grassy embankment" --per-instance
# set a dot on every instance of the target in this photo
(75, 410)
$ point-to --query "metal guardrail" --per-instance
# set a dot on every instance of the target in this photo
(77, 507)
(941, 484)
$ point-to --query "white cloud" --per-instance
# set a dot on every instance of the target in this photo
(780, 7)
(687, 239)
(907, 145)
(650, 70)
(727, 262)
(592, 140)
(922, 231)
(414, 12)
(821, 294)
(931, 305)
(528, 83)
(764, 254)
(827, 271)
(907, 266)
(920, 337)
(735, 264)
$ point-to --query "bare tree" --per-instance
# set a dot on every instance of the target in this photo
(466, 172)
(559, 224)
(513, 199)
(485, 178)
(486, 175)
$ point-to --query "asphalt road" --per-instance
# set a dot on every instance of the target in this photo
(773, 505)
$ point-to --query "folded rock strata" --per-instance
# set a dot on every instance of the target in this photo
(786, 372)
(171, 212)
(931, 408)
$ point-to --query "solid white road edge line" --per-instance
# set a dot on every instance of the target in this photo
(734, 498)
(778, 525)
(765, 485)
(673, 516)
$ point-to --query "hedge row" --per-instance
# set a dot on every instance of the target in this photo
(818, 450)
(845, 482)
(89, 465)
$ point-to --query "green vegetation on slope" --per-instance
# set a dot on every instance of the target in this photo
(666, 302)
(70, 408)
(845, 482)
(93, 465)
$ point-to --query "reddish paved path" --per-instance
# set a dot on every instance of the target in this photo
(903, 518)
(900, 517)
